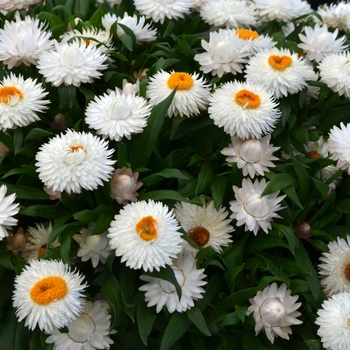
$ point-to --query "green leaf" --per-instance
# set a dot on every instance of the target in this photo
(25, 169)
(145, 319)
(163, 195)
(44, 211)
(251, 342)
(81, 8)
(17, 139)
(241, 312)
(230, 276)
(198, 320)
(279, 182)
(205, 178)
(5, 258)
(218, 190)
(321, 187)
(167, 174)
(288, 232)
(103, 222)
(85, 216)
(26, 192)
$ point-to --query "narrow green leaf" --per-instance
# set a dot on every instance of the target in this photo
(81, 8)
(145, 319)
(205, 178)
(163, 195)
(5, 258)
(44, 211)
(168, 174)
(17, 139)
(26, 192)
(85, 216)
(230, 276)
(241, 312)
(279, 182)
(218, 190)
(198, 320)
(288, 232)
(251, 342)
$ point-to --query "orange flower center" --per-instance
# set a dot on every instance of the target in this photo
(42, 250)
(77, 148)
(280, 62)
(85, 42)
(200, 235)
(8, 92)
(182, 81)
(146, 228)
(49, 289)
(347, 271)
(314, 154)
(247, 99)
(247, 34)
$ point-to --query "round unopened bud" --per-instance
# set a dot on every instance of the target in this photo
(257, 206)
(16, 243)
(303, 230)
(251, 151)
(273, 311)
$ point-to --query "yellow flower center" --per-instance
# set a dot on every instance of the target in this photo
(146, 228)
(85, 42)
(49, 289)
(8, 92)
(181, 80)
(247, 99)
(314, 154)
(280, 62)
(247, 34)
(347, 271)
(200, 235)
(42, 250)
(77, 148)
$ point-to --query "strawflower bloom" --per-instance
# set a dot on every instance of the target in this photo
(8, 209)
(274, 311)
(253, 210)
(48, 294)
(160, 292)
(74, 161)
(146, 235)
(336, 15)
(190, 97)
(12, 5)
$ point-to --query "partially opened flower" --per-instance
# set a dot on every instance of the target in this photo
(146, 235)
(8, 210)
(12, 5)
(20, 101)
(48, 294)
(336, 15)
(253, 210)
(274, 311)
(74, 161)
(160, 292)
(256, 41)
(190, 97)
(16, 242)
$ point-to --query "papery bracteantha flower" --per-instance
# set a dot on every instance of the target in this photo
(244, 110)
(160, 292)
(256, 41)
(253, 156)
(12, 5)
(279, 71)
(225, 53)
(20, 101)
(274, 311)
(124, 186)
(191, 96)
(205, 225)
(146, 235)
(92, 247)
(251, 209)
(22, 41)
(336, 15)
(158, 10)
(48, 294)
(72, 64)
(333, 321)
(318, 42)
(89, 331)
(335, 72)
(74, 161)
(130, 88)
(115, 115)
(8, 210)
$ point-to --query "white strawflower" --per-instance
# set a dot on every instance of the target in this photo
(243, 110)
(12, 5)
(279, 71)
(205, 225)
(8, 209)
(191, 96)
(225, 53)
(256, 42)
(92, 247)
(318, 42)
(158, 10)
(74, 160)
(336, 15)
(146, 235)
(20, 101)
(160, 292)
(335, 72)
(48, 294)
(129, 88)
(253, 210)
(274, 311)
(72, 64)
(254, 157)
(111, 2)
(22, 41)
(115, 115)
(334, 321)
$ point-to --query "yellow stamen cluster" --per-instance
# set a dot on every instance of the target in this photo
(200, 235)
(247, 34)
(49, 289)
(146, 228)
(181, 80)
(247, 99)
(280, 62)
(8, 92)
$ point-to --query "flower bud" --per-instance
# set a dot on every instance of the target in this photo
(273, 311)
(16, 243)
(303, 230)
(251, 151)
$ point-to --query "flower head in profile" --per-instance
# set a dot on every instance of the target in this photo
(336, 15)
(253, 210)
(146, 235)
(256, 41)
(48, 294)
(274, 311)
(16, 242)
(124, 186)
(115, 115)
(160, 292)
(205, 225)
(254, 157)
(190, 97)
(22, 41)
(8, 210)
(244, 110)
(74, 161)
(12, 5)
(20, 101)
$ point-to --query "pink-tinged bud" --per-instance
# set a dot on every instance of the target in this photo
(124, 186)
(3, 149)
(251, 151)
(53, 195)
(273, 312)
(59, 122)
(16, 243)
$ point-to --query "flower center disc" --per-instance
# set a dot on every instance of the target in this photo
(347, 271)
(247, 99)
(8, 92)
(280, 62)
(77, 148)
(84, 42)
(49, 289)
(314, 154)
(146, 228)
(182, 81)
(200, 235)
(42, 250)
(247, 34)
